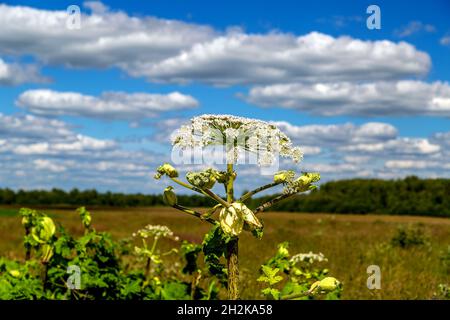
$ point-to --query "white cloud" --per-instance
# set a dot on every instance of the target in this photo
(38, 152)
(339, 134)
(43, 164)
(405, 97)
(445, 40)
(175, 51)
(240, 58)
(15, 74)
(105, 39)
(109, 105)
(399, 146)
(414, 27)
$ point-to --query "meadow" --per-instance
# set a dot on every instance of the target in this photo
(350, 242)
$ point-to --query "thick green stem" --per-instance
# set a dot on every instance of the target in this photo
(233, 245)
(233, 269)
(230, 182)
(253, 192)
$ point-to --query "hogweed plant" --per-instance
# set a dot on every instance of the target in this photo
(239, 138)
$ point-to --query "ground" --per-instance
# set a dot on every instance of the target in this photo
(350, 242)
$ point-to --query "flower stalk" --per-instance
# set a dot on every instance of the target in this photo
(233, 244)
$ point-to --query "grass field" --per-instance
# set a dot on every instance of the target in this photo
(350, 242)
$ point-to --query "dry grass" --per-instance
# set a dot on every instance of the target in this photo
(351, 243)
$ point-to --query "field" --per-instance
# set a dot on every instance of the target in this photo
(350, 242)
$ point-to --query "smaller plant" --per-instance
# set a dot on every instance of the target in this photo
(409, 236)
(150, 252)
(297, 277)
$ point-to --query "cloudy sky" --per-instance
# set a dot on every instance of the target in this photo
(94, 106)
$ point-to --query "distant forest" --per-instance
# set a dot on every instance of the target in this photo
(409, 196)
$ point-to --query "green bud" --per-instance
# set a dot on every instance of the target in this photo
(166, 169)
(44, 231)
(169, 197)
(203, 179)
(283, 176)
(283, 249)
(15, 273)
(302, 183)
(328, 284)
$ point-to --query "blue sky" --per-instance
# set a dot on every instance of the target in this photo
(365, 103)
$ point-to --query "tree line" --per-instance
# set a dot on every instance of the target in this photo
(409, 196)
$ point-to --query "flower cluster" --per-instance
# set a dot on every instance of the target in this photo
(205, 179)
(308, 257)
(302, 183)
(238, 135)
(156, 231)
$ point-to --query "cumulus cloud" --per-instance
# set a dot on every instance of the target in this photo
(109, 105)
(14, 74)
(37, 152)
(175, 51)
(240, 58)
(339, 134)
(404, 97)
(105, 39)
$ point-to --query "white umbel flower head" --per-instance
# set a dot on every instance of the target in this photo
(238, 135)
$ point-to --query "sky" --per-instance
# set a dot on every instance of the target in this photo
(92, 102)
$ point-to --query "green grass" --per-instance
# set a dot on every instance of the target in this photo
(8, 212)
(350, 242)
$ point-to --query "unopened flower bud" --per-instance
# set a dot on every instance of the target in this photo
(283, 176)
(326, 284)
(203, 179)
(169, 197)
(302, 183)
(44, 231)
(166, 169)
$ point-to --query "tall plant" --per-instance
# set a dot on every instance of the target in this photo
(237, 137)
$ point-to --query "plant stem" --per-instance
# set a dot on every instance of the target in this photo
(270, 203)
(233, 269)
(253, 192)
(295, 295)
(195, 214)
(217, 198)
(44, 274)
(233, 245)
(27, 246)
(205, 192)
(149, 259)
(230, 182)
